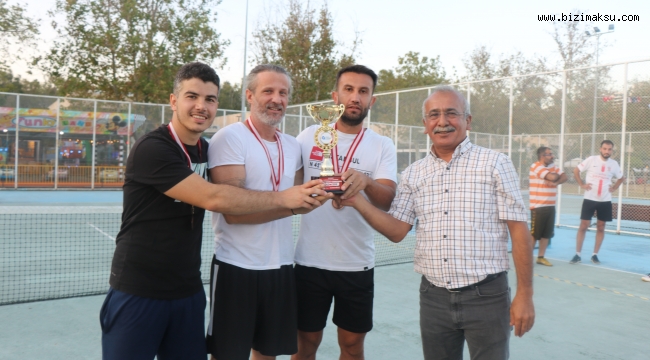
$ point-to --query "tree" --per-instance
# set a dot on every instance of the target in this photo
(412, 71)
(571, 41)
(16, 28)
(15, 84)
(303, 43)
(230, 96)
(129, 49)
(575, 50)
(534, 104)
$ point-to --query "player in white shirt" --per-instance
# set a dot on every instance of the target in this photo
(335, 254)
(252, 283)
(598, 195)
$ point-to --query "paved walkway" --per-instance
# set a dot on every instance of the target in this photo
(583, 311)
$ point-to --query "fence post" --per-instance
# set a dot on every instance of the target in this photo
(428, 137)
(93, 163)
(512, 89)
(627, 179)
(16, 142)
(223, 117)
(57, 143)
(162, 114)
(129, 126)
(623, 126)
(410, 142)
(300, 120)
(367, 118)
(396, 117)
(561, 150)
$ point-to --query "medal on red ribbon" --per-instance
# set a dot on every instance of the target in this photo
(275, 179)
(348, 156)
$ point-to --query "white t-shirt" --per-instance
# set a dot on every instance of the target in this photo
(599, 175)
(341, 240)
(260, 246)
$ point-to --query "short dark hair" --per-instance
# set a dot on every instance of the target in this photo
(541, 151)
(251, 78)
(197, 70)
(606, 142)
(358, 69)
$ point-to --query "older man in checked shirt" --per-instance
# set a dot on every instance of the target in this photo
(466, 199)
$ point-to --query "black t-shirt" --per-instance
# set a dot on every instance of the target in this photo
(158, 252)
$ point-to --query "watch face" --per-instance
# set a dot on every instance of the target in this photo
(325, 138)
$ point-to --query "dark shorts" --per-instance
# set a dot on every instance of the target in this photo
(251, 309)
(603, 210)
(542, 221)
(352, 291)
(135, 327)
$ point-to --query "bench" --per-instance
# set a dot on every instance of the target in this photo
(632, 212)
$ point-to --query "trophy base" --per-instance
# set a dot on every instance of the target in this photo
(332, 184)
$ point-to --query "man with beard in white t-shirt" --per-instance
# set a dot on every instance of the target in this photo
(252, 284)
(335, 254)
(598, 195)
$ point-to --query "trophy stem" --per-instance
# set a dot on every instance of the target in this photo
(327, 168)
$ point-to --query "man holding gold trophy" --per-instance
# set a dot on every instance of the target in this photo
(335, 254)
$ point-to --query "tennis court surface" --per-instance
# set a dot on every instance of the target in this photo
(59, 245)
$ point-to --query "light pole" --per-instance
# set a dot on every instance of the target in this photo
(243, 79)
(597, 34)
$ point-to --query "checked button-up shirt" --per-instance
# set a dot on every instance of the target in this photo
(461, 209)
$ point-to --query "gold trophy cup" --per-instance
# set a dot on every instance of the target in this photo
(326, 138)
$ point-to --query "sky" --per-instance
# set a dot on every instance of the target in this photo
(449, 29)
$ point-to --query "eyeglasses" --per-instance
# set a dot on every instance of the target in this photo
(451, 115)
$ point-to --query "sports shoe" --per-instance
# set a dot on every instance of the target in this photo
(576, 259)
(646, 278)
(543, 261)
(594, 259)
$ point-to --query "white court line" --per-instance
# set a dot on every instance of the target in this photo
(101, 231)
(596, 266)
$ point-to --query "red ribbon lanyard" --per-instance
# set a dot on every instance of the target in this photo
(275, 179)
(348, 156)
(174, 136)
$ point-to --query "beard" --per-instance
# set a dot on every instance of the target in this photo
(605, 156)
(355, 120)
(266, 118)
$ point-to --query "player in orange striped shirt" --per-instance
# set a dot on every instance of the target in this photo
(544, 179)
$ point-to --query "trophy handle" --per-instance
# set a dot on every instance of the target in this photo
(341, 111)
(310, 110)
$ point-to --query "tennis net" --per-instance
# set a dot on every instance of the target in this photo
(55, 252)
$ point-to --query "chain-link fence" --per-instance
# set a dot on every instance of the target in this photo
(75, 143)
(83, 143)
(570, 111)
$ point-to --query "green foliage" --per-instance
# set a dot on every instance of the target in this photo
(230, 96)
(16, 28)
(129, 49)
(303, 43)
(412, 71)
(14, 84)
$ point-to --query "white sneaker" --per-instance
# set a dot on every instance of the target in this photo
(646, 278)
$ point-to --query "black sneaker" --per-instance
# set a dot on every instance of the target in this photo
(576, 259)
(594, 259)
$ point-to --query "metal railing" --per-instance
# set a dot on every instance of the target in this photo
(514, 115)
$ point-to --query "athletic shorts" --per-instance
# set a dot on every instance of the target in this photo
(135, 327)
(542, 221)
(352, 291)
(251, 309)
(603, 210)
